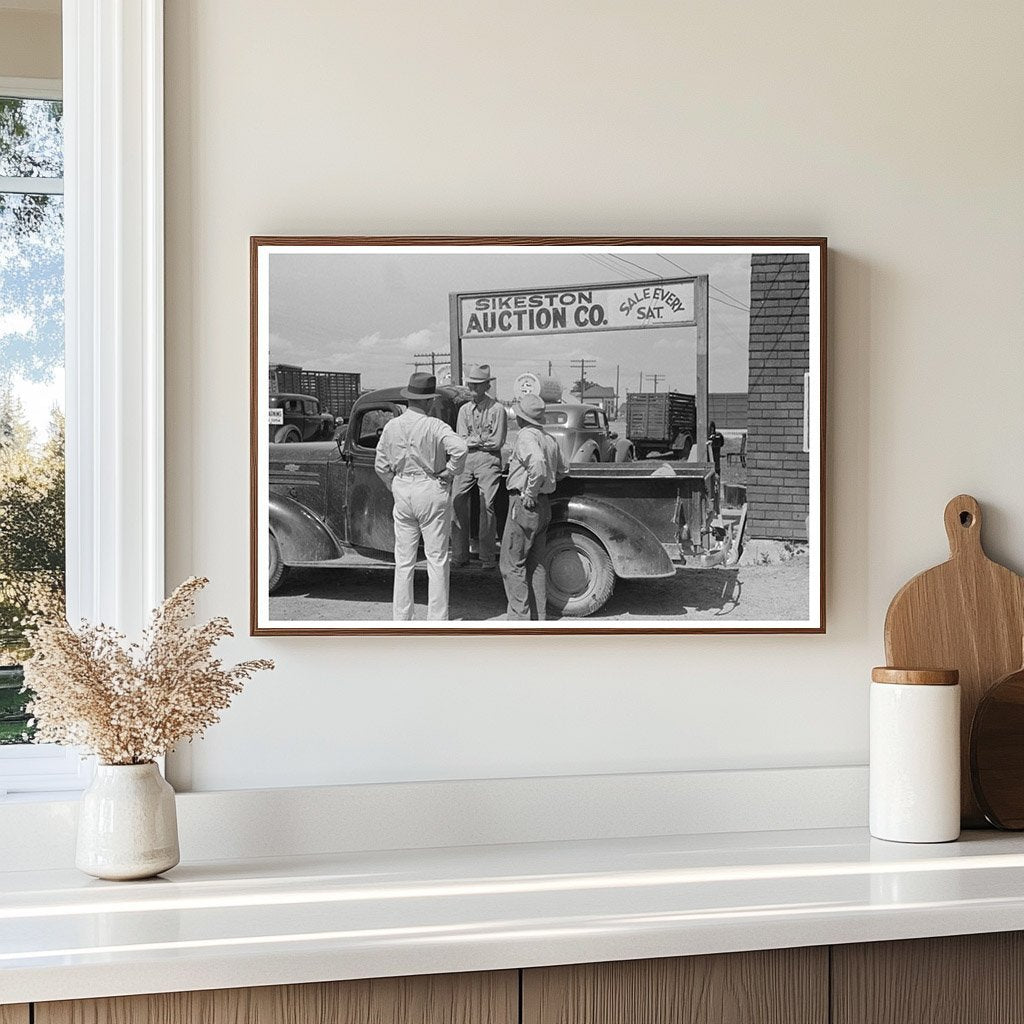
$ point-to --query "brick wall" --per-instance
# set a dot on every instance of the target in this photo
(778, 472)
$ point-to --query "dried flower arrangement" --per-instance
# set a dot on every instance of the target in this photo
(130, 703)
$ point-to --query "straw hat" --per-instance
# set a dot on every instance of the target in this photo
(530, 409)
(479, 374)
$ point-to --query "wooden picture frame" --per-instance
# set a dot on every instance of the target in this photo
(337, 324)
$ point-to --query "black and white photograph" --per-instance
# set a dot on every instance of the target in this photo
(537, 435)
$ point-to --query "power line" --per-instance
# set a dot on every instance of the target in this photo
(661, 277)
(735, 303)
(644, 270)
(605, 264)
(656, 377)
(714, 287)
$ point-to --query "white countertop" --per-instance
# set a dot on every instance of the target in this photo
(227, 924)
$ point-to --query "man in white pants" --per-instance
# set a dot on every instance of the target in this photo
(418, 457)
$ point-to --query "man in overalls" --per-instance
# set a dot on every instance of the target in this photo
(535, 467)
(418, 457)
(482, 423)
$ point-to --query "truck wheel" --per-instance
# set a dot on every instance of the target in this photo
(286, 435)
(681, 449)
(277, 570)
(579, 571)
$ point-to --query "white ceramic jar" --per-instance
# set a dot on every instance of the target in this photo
(127, 823)
(915, 755)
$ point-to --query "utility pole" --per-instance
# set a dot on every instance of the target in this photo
(549, 367)
(585, 364)
(617, 367)
(433, 357)
(640, 384)
(656, 377)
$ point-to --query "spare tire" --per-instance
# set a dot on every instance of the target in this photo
(580, 576)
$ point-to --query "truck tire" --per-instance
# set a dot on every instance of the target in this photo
(682, 446)
(579, 572)
(277, 570)
(287, 435)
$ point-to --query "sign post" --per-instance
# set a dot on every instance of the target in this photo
(701, 391)
(454, 339)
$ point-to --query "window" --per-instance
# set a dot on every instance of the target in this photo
(371, 424)
(554, 418)
(112, 120)
(32, 549)
(31, 383)
(590, 419)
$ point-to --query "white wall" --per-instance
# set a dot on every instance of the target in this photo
(895, 129)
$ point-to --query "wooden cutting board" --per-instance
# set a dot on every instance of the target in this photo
(967, 614)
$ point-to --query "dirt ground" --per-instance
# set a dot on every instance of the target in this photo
(778, 591)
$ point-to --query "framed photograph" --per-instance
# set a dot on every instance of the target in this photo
(537, 435)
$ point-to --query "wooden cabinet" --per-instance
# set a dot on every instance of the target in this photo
(967, 979)
(491, 998)
(777, 986)
(962, 979)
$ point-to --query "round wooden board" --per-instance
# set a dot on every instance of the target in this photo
(997, 752)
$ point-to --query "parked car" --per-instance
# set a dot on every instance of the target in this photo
(329, 509)
(299, 419)
(583, 434)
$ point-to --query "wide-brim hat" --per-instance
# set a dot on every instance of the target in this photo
(530, 409)
(479, 374)
(421, 386)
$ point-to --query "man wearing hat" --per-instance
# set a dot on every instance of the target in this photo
(536, 466)
(482, 423)
(418, 457)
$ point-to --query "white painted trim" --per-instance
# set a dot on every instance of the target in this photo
(32, 88)
(114, 320)
(42, 768)
(113, 85)
(32, 186)
(254, 823)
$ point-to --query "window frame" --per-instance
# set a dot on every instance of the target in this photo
(112, 90)
(37, 767)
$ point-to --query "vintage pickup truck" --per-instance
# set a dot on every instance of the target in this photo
(328, 508)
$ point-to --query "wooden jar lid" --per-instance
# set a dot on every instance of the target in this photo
(916, 676)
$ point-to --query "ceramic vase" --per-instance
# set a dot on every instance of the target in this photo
(127, 825)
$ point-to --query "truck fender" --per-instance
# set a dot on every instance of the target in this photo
(587, 452)
(302, 538)
(635, 552)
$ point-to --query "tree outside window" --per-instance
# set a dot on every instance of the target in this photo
(32, 541)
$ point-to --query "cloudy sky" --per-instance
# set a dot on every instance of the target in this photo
(373, 314)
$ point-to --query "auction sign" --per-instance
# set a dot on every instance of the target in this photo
(619, 307)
